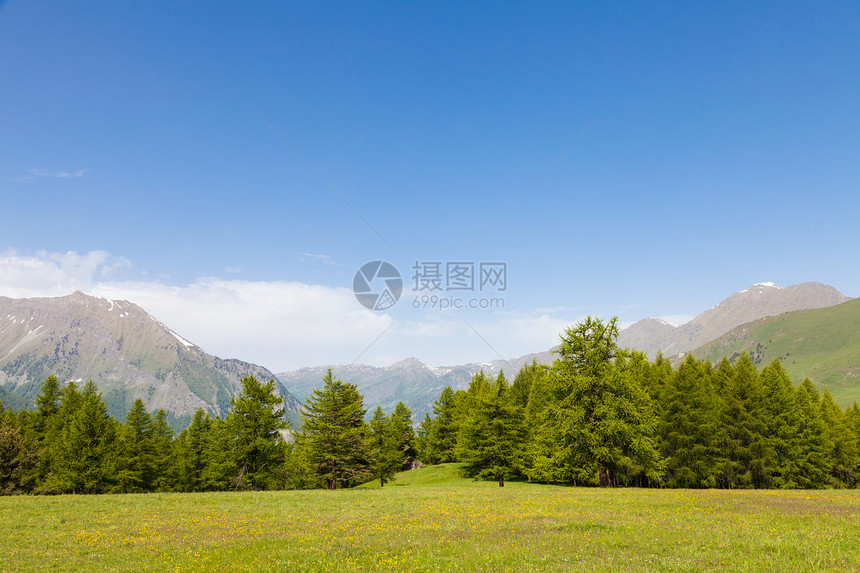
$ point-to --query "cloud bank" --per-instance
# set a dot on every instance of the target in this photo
(284, 325)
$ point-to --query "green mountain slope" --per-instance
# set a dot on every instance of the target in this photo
(822, 344)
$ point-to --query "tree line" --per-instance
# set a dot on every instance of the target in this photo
(599, 415)
(70, 444)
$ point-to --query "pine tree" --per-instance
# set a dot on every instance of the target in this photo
(423, 443)
(491, 438)
(17, 458)
(521, 388)
(813, 447)
(136, 470)
(688, 426)
(166, 474)
(443, 436)
(603, 428)
(333, 434)
(255, 422)
(404, 435)
(382, 446)
(190, 457)
(743, 429)
(843, 454)
(781, 435)
(220, 454)
(87, 456)
(47, 403)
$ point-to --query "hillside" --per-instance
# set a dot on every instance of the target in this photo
(821, 344)
(757, 301)
(125, 351)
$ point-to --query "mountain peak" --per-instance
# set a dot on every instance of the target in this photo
(757, 301)
(410, 362)
(123, 349)
(758, 287)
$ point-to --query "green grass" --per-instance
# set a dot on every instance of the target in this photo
(821, 344)
(436, 521)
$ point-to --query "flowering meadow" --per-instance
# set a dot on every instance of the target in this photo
(431, 519)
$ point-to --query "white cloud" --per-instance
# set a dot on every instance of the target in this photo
(321, 259)
(284, 325)
(52, 274)
(278, 324)
(42, 173)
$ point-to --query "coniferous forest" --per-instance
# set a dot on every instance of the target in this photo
(598, 416)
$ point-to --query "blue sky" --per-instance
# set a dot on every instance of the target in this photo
(681, 154)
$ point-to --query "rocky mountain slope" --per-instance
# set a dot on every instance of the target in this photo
(411, 381)
(125, 351)
(758, 301)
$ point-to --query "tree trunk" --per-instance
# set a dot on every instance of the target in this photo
(501, 481)
(604, 478)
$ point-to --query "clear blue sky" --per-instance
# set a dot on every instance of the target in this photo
(716, 145)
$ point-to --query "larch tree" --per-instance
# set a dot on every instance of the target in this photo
(333, 436)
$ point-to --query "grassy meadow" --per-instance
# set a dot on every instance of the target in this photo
(430, 519)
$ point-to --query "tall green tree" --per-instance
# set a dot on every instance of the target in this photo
(333, 434)
(385, 457)
(600, 425)
(403, 434)
(843, 454)
(491, 438)
(814, 446)
(190, 446)
(443, 435)
(423, 443)
(689, 422)
(17, 458)
(135, 465)
(47, 403)
(86, 460)
(166, 474)
(255, 420)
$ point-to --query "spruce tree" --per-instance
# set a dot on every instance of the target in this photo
(423, 442)
(743, 429)
(781, 434)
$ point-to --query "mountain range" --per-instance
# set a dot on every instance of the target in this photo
(652, 335)
(418, 385)
(128, 353)
(820, 344)
(411, 381)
